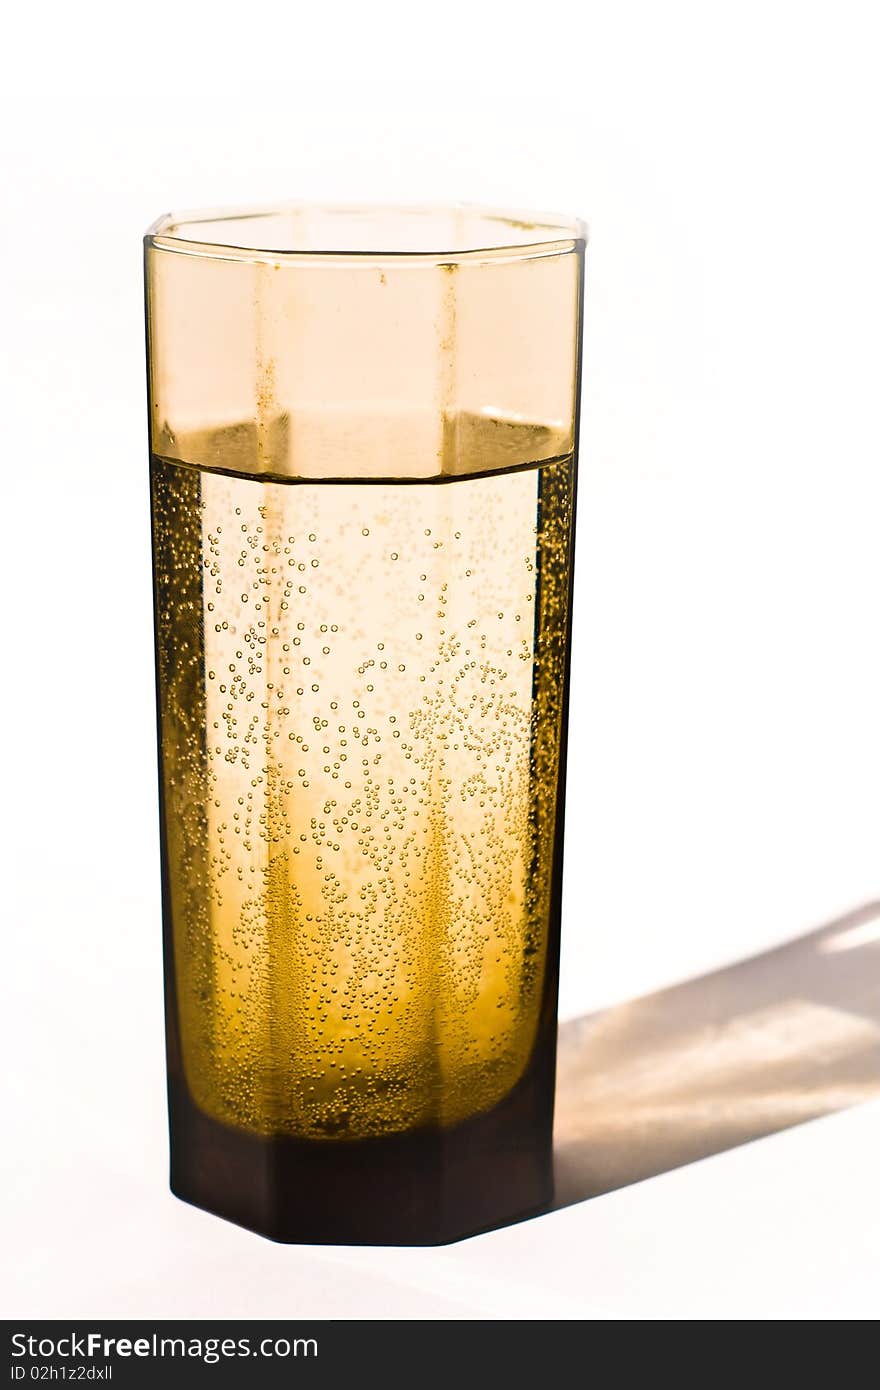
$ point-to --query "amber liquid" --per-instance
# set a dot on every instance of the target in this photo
(360, 702)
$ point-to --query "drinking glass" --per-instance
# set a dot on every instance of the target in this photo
(363, 437)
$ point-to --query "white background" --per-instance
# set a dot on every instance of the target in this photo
(725, 756)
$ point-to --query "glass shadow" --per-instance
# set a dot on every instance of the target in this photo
(764, 1044)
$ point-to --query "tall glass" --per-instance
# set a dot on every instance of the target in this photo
(363, 428)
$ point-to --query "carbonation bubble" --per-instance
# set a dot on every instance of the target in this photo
(360, 923)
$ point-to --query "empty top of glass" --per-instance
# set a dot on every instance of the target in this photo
(303, 230)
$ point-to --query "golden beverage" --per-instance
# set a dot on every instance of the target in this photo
(361, 699)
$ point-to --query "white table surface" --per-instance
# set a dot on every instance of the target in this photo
(785, 1226)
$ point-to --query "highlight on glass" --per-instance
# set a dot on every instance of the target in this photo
(363, 437)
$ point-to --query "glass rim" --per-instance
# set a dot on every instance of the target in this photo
(526, 235)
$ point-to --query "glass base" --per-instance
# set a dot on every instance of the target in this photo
(422, 1188)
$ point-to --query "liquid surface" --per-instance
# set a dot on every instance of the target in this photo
(360, 705)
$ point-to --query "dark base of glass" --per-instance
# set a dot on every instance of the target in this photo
(423, 1188)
